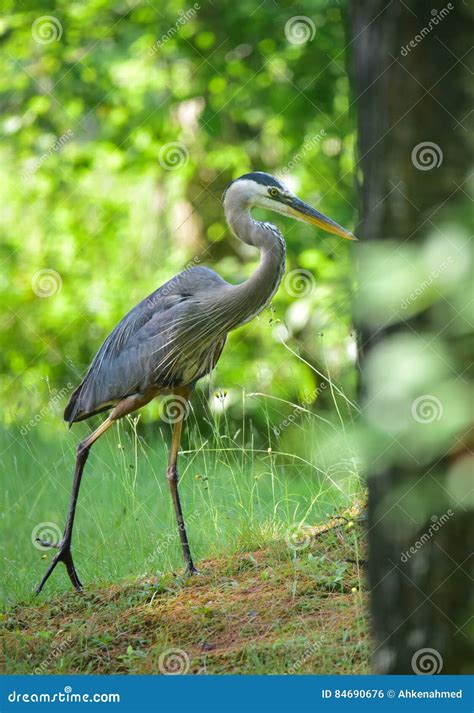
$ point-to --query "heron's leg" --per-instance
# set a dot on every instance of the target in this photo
(64, 548)
(172, 476)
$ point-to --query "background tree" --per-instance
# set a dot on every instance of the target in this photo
(410, 82)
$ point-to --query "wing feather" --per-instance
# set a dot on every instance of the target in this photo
(141, 350)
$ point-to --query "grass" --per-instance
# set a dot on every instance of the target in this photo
(271, 610)
(259, 606)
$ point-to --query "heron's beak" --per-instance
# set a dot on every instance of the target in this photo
(301, 210)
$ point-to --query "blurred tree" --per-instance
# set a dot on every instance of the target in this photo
(410, 80)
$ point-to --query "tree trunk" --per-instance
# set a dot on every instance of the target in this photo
(409, 78)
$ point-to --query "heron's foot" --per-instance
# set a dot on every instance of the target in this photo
(191, 571)
(64, 555)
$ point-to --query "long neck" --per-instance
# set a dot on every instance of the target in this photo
(243, 302)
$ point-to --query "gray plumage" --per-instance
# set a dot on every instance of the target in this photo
(141, 352)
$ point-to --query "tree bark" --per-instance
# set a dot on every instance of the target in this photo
(410, 76)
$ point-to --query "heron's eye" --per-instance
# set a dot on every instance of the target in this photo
(273, 192)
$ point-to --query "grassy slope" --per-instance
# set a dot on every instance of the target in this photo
(272, 610)
(234, 496)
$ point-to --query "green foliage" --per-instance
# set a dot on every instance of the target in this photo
(93, 193)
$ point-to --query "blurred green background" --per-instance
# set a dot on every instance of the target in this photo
(120, 135)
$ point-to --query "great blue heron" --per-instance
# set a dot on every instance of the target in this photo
(175, 336)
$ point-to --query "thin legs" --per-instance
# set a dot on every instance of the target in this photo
(64, 548)
(172, 476)
(123, 407)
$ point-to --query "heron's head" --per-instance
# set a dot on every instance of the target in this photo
(264, 191)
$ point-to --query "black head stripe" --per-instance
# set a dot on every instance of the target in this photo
(264, 179)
